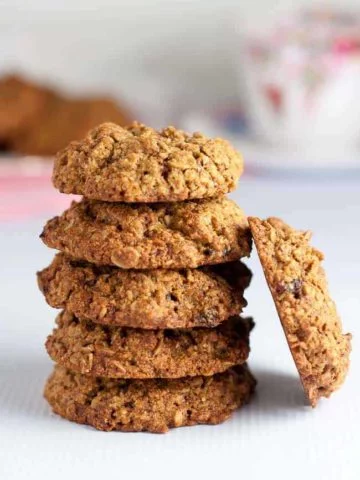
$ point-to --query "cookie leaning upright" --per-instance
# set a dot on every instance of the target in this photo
(308, 315)
(140, 164)
(149, 281)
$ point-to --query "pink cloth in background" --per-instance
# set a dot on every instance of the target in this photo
(26, 191)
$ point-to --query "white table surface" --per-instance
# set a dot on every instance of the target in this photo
(274, 437)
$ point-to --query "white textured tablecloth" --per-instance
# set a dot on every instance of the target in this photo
(274, 437)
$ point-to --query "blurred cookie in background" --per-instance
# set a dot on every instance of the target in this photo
(37, 121)
(20, 102)
(66, 120)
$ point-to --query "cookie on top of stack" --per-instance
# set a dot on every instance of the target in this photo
(149, 281)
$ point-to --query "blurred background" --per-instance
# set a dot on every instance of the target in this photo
(280, 82)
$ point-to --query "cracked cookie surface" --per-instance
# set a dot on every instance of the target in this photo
(121, 352)
(148, 405)
(175, 235)
(308, 315)
(145, 299)
(140, 164)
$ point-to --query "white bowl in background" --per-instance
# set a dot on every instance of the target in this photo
(300, 83)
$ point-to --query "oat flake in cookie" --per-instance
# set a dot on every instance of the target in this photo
(146, 236)
(140, 164)
(308, 315)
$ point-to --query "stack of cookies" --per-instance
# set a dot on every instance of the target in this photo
(149, 282)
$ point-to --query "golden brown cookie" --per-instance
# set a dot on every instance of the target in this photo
(64, 120)
(145, 298)
(121, 352)
(308, 315)
(140, 164)
(148, 405)
(175, 235)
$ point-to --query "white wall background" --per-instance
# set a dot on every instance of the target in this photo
(149, 51)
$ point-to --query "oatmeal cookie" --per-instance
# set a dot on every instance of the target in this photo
(140, 164)
(140, 236)
(145, 298)
(148, 405)
(308, 315)
(121, 352)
